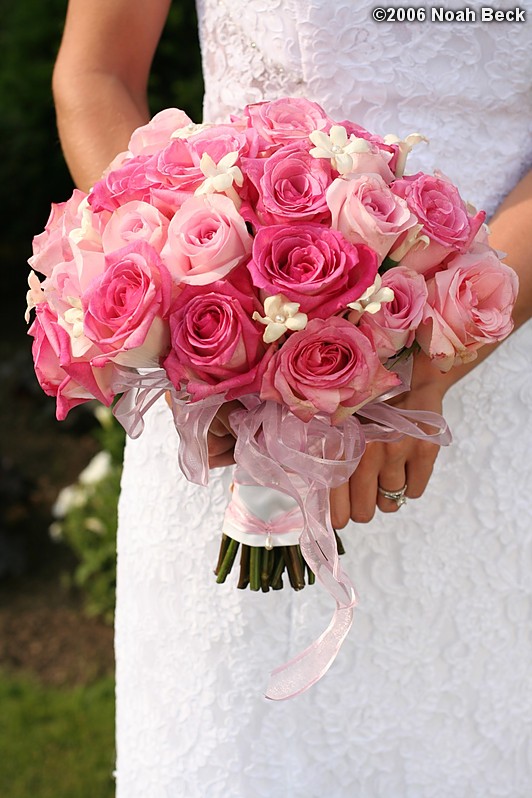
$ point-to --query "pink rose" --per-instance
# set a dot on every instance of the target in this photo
(207, 238)
(470, 303)
(286, 120)
(312, 265)
(390, 152)
(72, 381)
(54, 245)
(440, 209)
(134, 221)
(291, 185)
(222, 139)
(367, 212)
(329, 367)
(128, 182)
(216, 346)
(393, 326)
(152, 137)
(125, 307)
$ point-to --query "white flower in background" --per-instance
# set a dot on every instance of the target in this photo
(405, 147)
(337, 147)
(104, 415)
(281, 315)
(372, 298)
(98, 468)
(95, 525)
(68, 499)
(221, 176)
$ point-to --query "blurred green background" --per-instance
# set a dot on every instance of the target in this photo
(56, 572)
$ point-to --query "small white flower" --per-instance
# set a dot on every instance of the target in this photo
(337, 147)
(405, 147)
(189, 130)
(373, 297)
(72, 321)
(96, 525)
(67, 499)
(221, 176)
(86, 232)
(413, 238)
(281, 315)
(35, 295)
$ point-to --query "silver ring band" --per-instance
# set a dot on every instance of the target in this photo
(397, 496)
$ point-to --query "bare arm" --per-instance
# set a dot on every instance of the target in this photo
(100, 79)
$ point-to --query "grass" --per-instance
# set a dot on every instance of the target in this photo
(56, 742)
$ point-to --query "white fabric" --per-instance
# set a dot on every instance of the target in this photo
(431, 695)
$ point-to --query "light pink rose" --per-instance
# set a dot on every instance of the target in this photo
(220, 140)
(470, 303)
(207, 238)
(152, 137)
(125, 307)
(367, 212)
(291, 186)
(216, 346)
(394, 326)
(390, 152)
(439, 207)
(311, 265)
(329, 367)
(286, 120)
(128, 182)
(134, 221)
(53, 245)
(72, 381)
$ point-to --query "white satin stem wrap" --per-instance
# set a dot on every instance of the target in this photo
(302, 460)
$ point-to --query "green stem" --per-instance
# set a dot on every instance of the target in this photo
(254, 567)
(224, 545)
(293, 565)
(228, 561)
(266, 570)
(278, 568)
(243, 579)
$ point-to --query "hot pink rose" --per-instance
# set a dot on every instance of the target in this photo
(393, 326)
(216, 346)
(207, 238)
(291, 185)
(366, 211)
(72, 381)
(312, 265)
(125, 307)
(286, 120)
(329, 367)
(470, 303)
(134, 221)
(152, 137)
(440, 209)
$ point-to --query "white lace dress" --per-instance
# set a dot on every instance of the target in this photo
(431, 695)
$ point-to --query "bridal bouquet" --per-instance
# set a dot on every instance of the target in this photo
(284, 260)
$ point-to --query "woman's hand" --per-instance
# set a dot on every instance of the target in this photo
(391, 466)
(221, 438)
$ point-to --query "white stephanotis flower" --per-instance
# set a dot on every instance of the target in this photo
(86, 231)
(337, 147)
(413, 238)
(221, 176)
(281, 315)
(189, 130)
(72, 321)
(406, 145)
(34, 296)
(373, 297)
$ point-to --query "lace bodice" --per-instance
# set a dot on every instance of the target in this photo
(431, 695)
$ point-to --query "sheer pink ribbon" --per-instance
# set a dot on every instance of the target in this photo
(272, 447)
